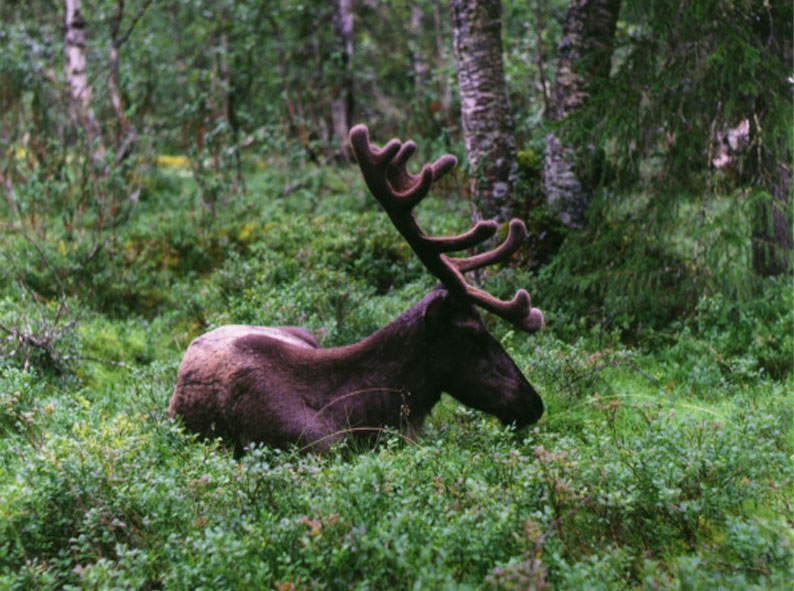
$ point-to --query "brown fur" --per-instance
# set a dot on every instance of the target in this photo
(276, 386)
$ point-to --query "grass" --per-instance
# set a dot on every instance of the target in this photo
(661, 464)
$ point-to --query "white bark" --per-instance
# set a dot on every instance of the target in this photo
(79, 89)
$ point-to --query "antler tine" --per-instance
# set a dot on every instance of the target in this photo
(518, 311)
(399, 191)
(393, 186)
(359, 138)
(401, 177)
(517, 233)
(481, 231)
(443, 165)
(397, 164)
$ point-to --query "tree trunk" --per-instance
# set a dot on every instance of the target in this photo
(771, 237)
(485, 109)
(227, 98)
(126, 134)
(342, 93)
(80, 91)
(772, 224)
(441, 58)
(420, 67)
(583, 55)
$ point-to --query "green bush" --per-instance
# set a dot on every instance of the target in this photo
(659, 466)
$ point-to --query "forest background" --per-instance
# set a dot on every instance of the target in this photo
(170, 167)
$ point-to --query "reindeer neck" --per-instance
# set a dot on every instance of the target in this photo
(390, 364)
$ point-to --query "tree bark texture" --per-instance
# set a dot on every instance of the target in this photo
(79, 90)
(441, 57)
(342, 99)
(484, 105)
(583, 55)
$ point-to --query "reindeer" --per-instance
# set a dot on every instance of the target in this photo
(277, 386)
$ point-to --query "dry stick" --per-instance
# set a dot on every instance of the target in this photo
(97, 360)
(50, 332)
(354, 429)
(123, 39)
(63, 308)
(364, 391)
(554, 524)
(558, 521)
(734, 568)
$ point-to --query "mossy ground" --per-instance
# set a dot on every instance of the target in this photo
(664, 459)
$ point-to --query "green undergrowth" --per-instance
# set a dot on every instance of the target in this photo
(639, 487)
(663, 461)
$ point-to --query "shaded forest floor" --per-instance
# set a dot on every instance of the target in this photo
(663, 461)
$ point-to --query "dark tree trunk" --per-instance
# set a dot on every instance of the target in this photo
(771, 239)
(419, 59)
(342, 93)
(583, 55)
(772, 224)
(126, 133)
(485, 109)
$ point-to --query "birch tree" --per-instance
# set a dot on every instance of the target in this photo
(79, 90)
(485, 109)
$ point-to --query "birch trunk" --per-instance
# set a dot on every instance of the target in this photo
(485, 109)
(584, 54)
(79, 90)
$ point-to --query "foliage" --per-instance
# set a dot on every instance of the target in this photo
(635, 272)
(664, 458)
(684, 71)
(639, 475)
(120, 496)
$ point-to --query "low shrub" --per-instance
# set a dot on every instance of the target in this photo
(664, 464)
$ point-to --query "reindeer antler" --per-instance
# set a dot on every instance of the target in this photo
(399, 191)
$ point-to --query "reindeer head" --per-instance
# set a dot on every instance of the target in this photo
(463, 357)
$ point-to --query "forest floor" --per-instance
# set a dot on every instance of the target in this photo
(663, 460)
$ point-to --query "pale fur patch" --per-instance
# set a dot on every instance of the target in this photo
(231, 332)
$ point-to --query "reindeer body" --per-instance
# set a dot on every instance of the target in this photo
(253, 385)
(257, 384)
(277, 386)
